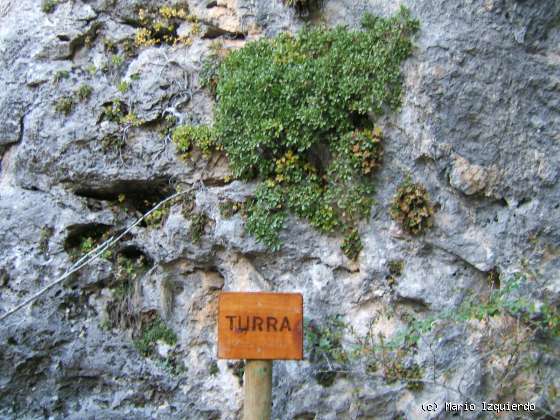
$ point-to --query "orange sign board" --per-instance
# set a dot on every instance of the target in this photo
(259, 325)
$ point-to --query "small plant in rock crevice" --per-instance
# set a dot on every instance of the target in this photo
(117, 111)
(88, 243)
(352, 245)
(84, 92)
(158, 217)
(64, 106)
(186, 137)
(395, 268)
(151, 334)
(159, 26)
(123, 309)
(229, 208)
(199, 221)
(123, 86)
(411, 208)
(324, 348)
(60, 75)
(48, 6)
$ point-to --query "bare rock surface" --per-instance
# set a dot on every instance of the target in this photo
(479, 127)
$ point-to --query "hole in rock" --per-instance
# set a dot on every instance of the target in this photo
(502, 202)
(134, 253)
(135, 195)
(523, 201)
(79, 234)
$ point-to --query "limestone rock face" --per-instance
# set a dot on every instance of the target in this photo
(479, 127)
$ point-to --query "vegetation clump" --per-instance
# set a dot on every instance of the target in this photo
(198, 226)
(324, 347)
(59, 75)
(48, 6)
(87, 243)
(229, 208)
(396, 268)
(213, 368)
(411, 208)
(84, 92)
(154, 332)
(295, 112)
(159, 26)
(186, 137)
(64, 105)
(114, 111)
(117, 111)
(158, 216)
(395, 370)
(352, 244)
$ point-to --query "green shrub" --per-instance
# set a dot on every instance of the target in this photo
(411, 208)
(293, 111)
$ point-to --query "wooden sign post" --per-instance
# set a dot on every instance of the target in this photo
(260, 327)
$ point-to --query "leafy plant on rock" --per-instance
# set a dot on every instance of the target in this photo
(48, 6)
(186, 137)
(295, 112)
(159, 26)
(59, 75)
(352, 244)
(229, 207)
(64, 106)
(324, 347)
(198, 226)
(84, 92)
(411, 208)
(154, 332)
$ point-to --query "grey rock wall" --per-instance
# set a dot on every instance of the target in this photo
(479, 127)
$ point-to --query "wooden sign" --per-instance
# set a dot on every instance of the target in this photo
(260, 326)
